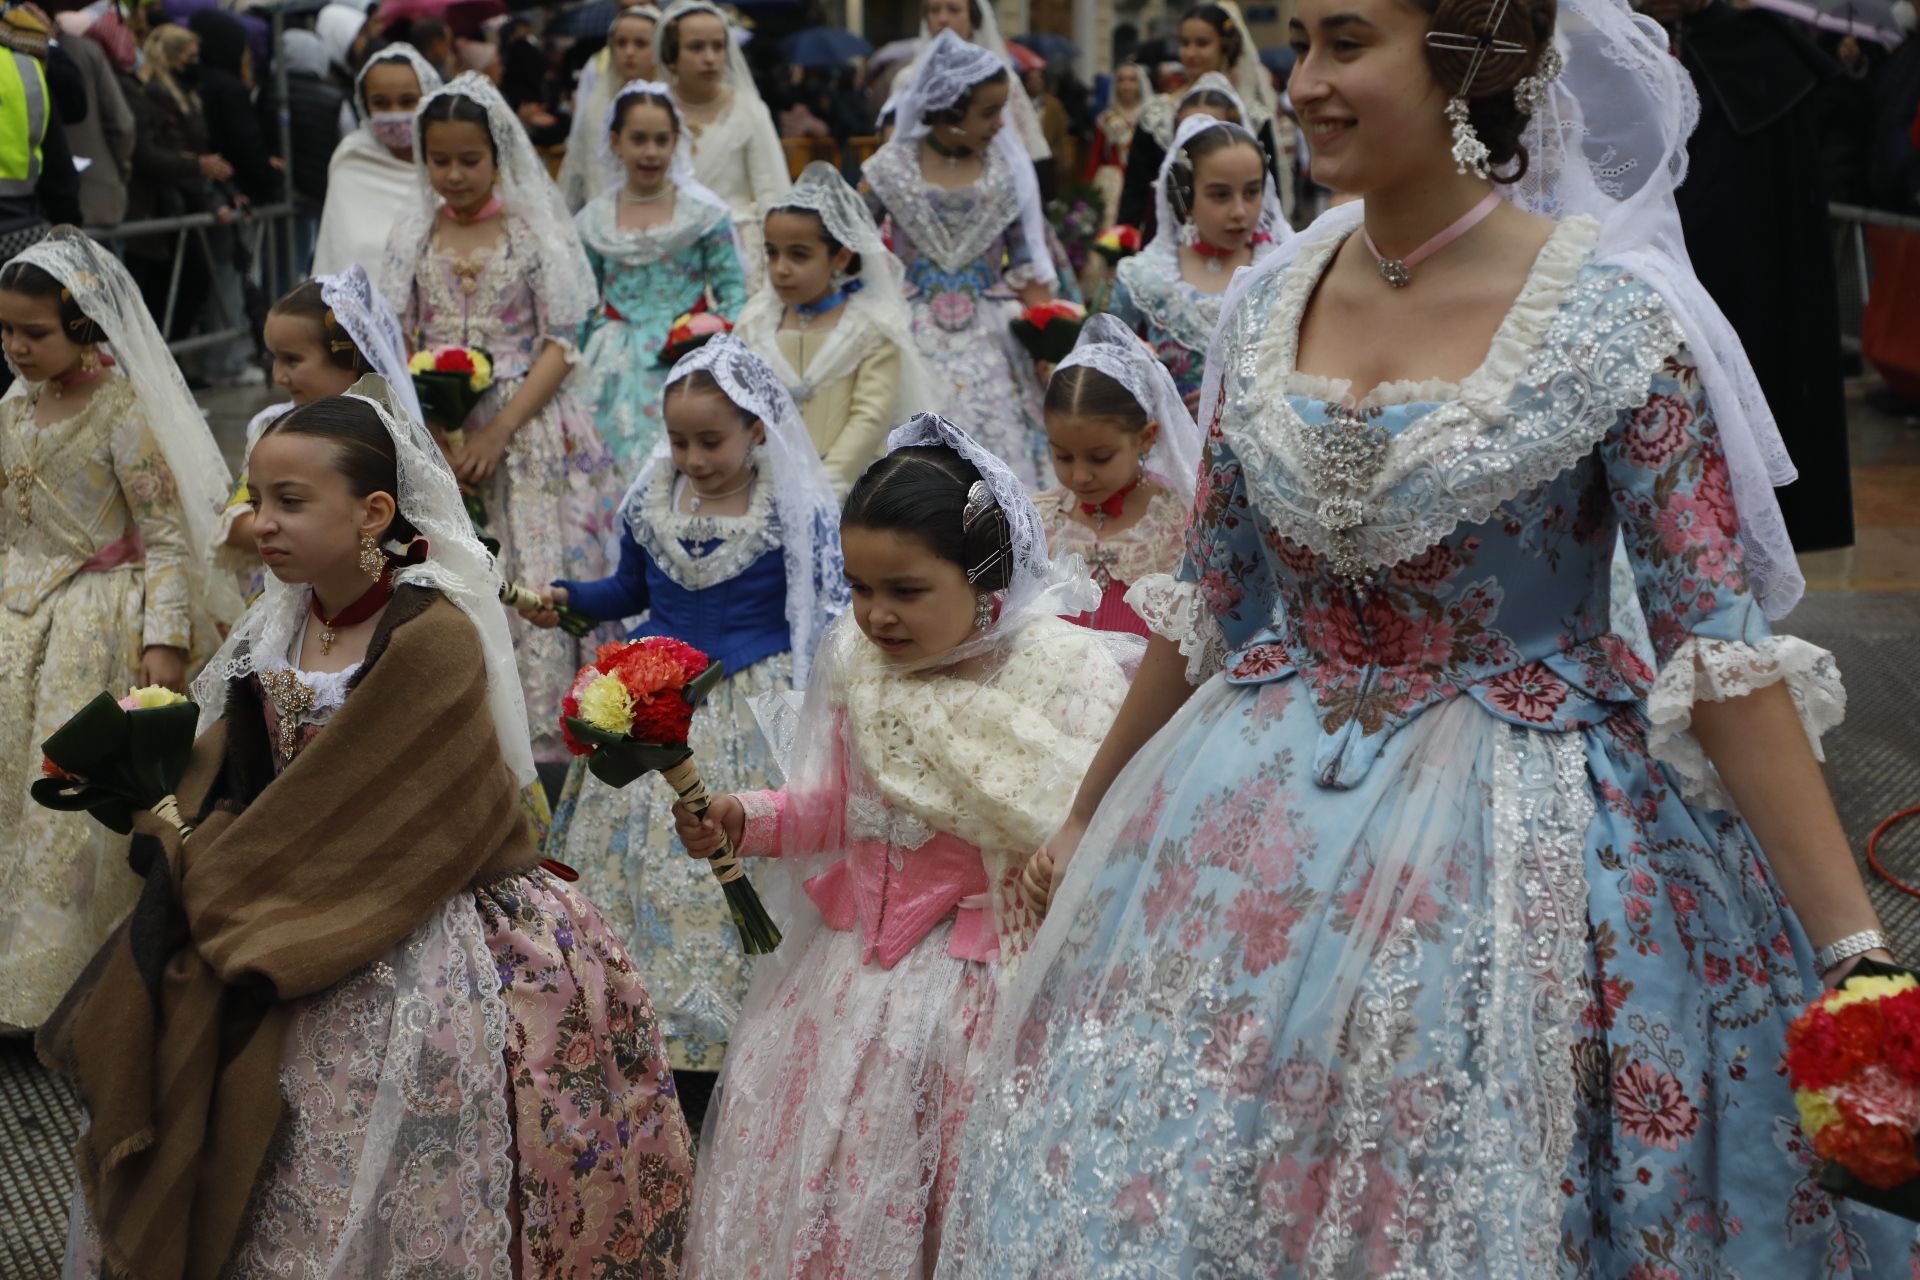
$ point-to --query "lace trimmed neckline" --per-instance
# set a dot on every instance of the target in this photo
(664, 531)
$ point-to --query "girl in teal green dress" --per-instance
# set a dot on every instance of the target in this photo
(659, 244)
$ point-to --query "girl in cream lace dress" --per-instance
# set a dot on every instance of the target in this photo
(108, 478)
(941, 732)
(1125, 449)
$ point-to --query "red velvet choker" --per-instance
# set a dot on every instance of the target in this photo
(1112, 505)
(1206, 250)
(370, 603)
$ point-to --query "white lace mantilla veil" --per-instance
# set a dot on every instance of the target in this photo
(456, 565)
(1166, 231)
(950, 68)
(681, 229)
(740, 81)
(803, 502)
(1611, 143)
(563, 281)
(877, 313)
(579, 177)
(1020, 109)
(106, 295)
(1251, 80)
(1107, 344)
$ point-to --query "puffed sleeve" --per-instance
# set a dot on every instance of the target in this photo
(1673, 495)
(154, 501)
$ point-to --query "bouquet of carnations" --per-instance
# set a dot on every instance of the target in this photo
(629, 712)
(1049, 330)
(115, 757)
(1854, 1061)
(450, 382)
(690, 331)
(1117, 242)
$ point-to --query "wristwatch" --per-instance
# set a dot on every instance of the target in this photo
(1848, 947)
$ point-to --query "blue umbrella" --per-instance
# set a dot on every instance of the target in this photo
(1278, 58)
(584, 21)
(823, 47)
(1051, 47)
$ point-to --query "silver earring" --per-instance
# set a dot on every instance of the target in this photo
(983, 611)
(1188, 235)
(1531, 93)
(1470, 155)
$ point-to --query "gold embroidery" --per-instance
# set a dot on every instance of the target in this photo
(20, 475)
(292, 699)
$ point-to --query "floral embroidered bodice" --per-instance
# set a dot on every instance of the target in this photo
(488, 299)
(1404, 551)
(1175, 318)
(91, 492)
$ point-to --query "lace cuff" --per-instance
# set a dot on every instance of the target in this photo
(760, 833)
(1708, 670)
(1174, 610)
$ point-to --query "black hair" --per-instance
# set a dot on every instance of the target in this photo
(1084, 391)
(426, 31)
(362, 450)
(1216, 99)
(703, 380)
(922, 490)
(667, 36)
(307, 302)
(1496, 114)
(1180, 190)
(457, 108)
(826, 237)
(958, 111)
(35, 282)
(626, 102)
(1233, 41)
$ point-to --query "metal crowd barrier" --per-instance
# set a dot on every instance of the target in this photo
(1853, 261)
(266, 234)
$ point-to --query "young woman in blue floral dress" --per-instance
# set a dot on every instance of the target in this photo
(1435, 933)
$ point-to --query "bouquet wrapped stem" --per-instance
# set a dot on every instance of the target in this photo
(114, 757)
(758, 933)
(526, 600)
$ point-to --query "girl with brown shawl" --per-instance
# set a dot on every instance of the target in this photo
(352, 1021)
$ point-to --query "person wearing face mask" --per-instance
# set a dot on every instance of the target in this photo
(370, 180)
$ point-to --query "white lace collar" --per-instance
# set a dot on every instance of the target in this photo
(952, 243)
(1578, 346)
(601, 231)
(664, 531)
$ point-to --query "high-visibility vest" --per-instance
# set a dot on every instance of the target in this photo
(23, 122)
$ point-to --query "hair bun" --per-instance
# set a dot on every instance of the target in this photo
(1525, 23)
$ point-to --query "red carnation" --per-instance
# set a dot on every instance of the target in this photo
(453, 360)
(1815, 1055)
(1880, 1155)
(663, 719)
(1900, 1049)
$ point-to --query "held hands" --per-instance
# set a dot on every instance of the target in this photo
(725, 814)
(479, 457)
(1041, 876)
(165, 666)
(548, 617)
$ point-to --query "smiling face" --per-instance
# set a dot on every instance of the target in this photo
(36, 341)
(702, 58)
(986, 112)
(950, 15)
(913, 605)
(708, 438)
(1200, 48)
(306, 519)
(1228, 186)
(643, 144)
(460, 164)
(1096, 457)
(800, 264)
(300, 364)
(1373, 114)
(632, 45)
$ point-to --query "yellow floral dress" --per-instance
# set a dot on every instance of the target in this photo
(93, 571)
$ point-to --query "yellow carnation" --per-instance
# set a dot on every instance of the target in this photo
(152, 696)
(607, 706)
(421, 362)
(1868, 988)
(1816, 1110)
(482, 371)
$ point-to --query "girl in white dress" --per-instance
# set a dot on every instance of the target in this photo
(370, 182)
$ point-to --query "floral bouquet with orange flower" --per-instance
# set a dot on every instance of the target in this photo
(690, 331)
(116, 756)
(1049, 330)
(628, 712)
(1854, 1060)
(1117, 242)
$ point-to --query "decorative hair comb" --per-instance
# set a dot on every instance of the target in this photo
(981, 504)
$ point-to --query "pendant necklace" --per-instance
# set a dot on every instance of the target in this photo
(1398, 272)
(1110, 506)
(695, 498)
(370, 603)
(627, 197)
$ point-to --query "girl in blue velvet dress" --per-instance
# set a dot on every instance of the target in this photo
(659, 244)
(730, 543)
(1436, 933)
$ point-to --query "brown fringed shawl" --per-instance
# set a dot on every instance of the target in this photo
(174, 1032)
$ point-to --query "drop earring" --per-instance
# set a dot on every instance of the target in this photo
(372, 562)
(1470, 155)
(983, 611)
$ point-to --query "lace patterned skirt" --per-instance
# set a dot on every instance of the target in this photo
(489, 1099)
(1508, 1007)
(551, 505)
(991, 391)
(64, 881)
(835, 1145)
(665, 907)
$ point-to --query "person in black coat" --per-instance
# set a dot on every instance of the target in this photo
(226, 93)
